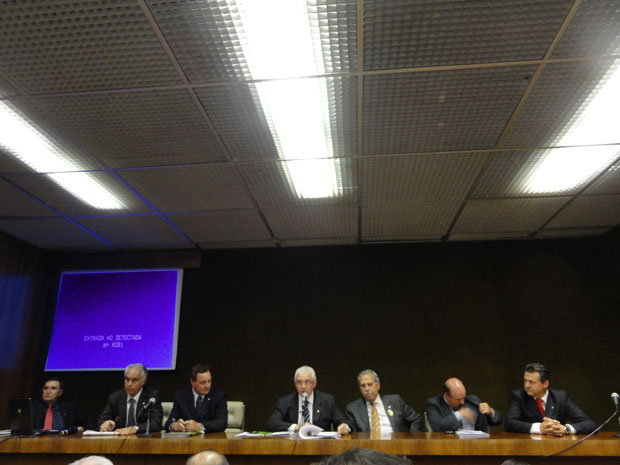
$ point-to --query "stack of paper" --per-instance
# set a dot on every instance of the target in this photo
(469, 434)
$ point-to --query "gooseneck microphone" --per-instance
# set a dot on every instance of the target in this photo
(71, 430)
(616, 398)
(149, 404)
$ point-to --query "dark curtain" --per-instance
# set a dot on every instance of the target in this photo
(23, 290)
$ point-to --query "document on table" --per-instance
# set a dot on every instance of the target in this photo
(247, 434)
(469, 434)
(90, 432)
(315, 432)
(5, 432)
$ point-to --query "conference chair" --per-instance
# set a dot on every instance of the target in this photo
(167, 408)
(236, 416)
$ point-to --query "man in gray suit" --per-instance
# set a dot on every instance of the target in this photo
(380, 414)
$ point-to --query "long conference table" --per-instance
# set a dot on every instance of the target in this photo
(420, 448)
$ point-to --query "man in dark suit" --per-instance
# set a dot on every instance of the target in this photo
(124, 413)
(381, 414)
(454, 410)
(307, 406)
(200, 408)
(51, 413)
(536, 409)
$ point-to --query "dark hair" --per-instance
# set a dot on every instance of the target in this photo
(358, 456)
(199, 368)
(60, 382)
(541, 369)
(446, 389)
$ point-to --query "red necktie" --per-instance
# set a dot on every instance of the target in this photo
(540, 407)
(49, 417)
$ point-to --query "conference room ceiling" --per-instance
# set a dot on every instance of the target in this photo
(438, 110)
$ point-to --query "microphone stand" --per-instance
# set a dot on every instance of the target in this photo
(617, 435)
(148, 424)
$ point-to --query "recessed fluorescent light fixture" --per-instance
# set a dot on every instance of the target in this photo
(22, 140)
(278, 43)
(595, 123)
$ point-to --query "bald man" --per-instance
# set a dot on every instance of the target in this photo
(454, 410)
(207, 457)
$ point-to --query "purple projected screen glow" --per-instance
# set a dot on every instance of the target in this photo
(106, 320)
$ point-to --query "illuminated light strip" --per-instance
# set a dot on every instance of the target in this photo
(563, 169)
(23, 141)
(277, 42)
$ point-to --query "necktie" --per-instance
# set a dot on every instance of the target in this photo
(305, 412)
(540, 407)
(198, 402)
(375, 427)
(131, 416)
(49, 418)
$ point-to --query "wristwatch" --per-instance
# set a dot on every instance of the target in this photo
(137, 428)
(566, 430)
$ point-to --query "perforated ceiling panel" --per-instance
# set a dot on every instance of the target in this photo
(438, 112)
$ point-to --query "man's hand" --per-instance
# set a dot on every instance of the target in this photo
(467, 413)
(486, 409)
(343, 428)
(127, 430)
(191, 425)
(178, 425)
(558, 429)
(551, 426)
(107, 426)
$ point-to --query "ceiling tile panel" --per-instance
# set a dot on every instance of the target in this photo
(594, 30)
(318, 242)
(269, 186)
(237, 245)
(589, 211)
(313, 222)
(6, 88)
(45, 189)
(137, 129)
(503, 215)
(224, 226)
(419, 221)
(133, 232)
(15, 202)
(54, 234)
(415, 178)
(554, 102)
(570, 232)
(440, 110)
(489, 236)
(412, 33)
(203, 187)
(70, 45)
(608, 183)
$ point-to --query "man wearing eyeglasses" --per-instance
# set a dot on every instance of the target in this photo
(307, 406)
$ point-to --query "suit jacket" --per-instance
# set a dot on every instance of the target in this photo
(523, 411)
(325, 412)
(71, 415)
(441, 418)
(213, 412)
(403, 420)
(116, 410)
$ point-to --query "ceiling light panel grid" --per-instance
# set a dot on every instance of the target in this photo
(313, 222)
(608, 183)
(498, 215)
(222, 226)
(589, 211)
(45, 189)
(419, 221)
(54, 234)
(509, 173)
(187, 188)
(440, 110)
(138, 129)
(268, 185)
(17, 203)
(406, 33)
(140, 231)
(594, 31)
(68, 45)
(552, 105)
(415, 178)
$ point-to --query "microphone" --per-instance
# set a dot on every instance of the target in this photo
(149, 404)
(71, 430)
(616, 398)
(304, 397)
